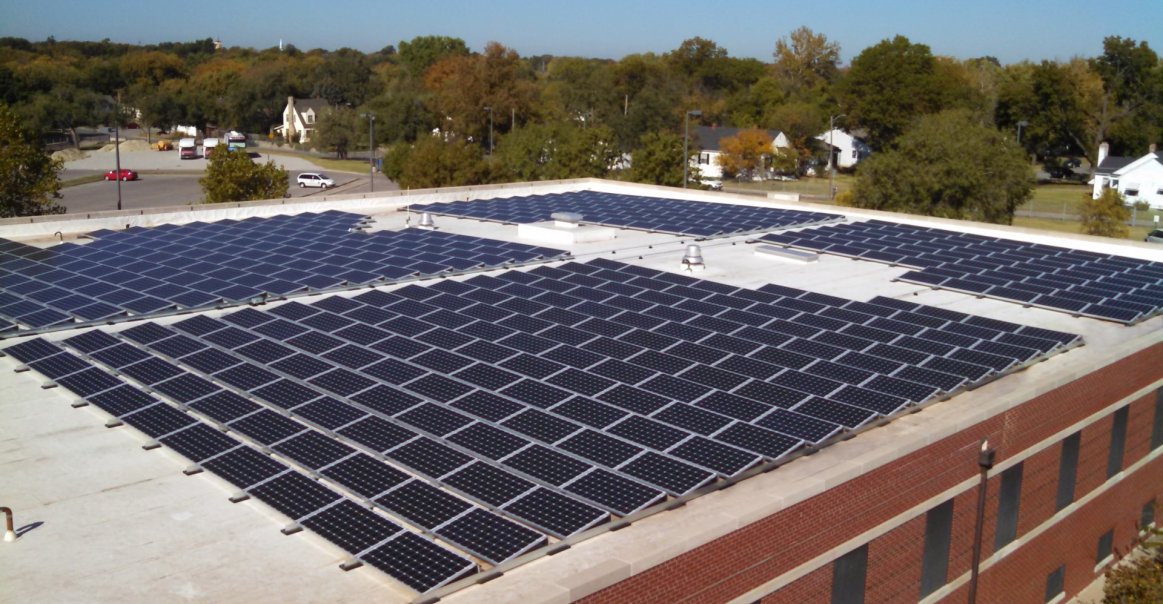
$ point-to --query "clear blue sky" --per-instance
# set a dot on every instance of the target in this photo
(1011, 30)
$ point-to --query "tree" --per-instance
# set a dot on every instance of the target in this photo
(1106, 216)
(1128, 72)
(805, 61)
(425, 51)
(889, 86)
(233, 176)
(949, 165)
(29, 178)
(745, 153)
(658, 160)
(555, 151)
(434, 162)
(338, 129)
(465, 90)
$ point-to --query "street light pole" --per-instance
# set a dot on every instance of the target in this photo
(686, 128)
(832, 155)
(1021, 124)
(117, 146)
(985, 463)
(371, 145)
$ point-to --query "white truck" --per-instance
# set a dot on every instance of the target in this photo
(187, 148)
(208, 146)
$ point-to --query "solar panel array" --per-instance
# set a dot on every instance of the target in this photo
(493, 412)
(674, 216)
(145, 271)
(1101, 286)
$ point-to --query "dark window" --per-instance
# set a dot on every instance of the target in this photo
(1157, 429)
(1055, 582)
(1131, 193)
(1147, 516)
(1105, 542)
(848, 574)
(1114, 463)
(1009, 500)
(938, 534)
(1068, 470)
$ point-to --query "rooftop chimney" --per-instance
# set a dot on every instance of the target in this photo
(1103, 151)
(1151, 149)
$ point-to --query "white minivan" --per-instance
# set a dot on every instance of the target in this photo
(313, 179)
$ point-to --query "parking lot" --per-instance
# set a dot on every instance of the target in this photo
(165, 180)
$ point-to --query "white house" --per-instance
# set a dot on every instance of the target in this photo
(299, 119)
(847, 149)
(1138, 179)
(710, 139)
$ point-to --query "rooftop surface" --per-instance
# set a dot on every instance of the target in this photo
(101, 518)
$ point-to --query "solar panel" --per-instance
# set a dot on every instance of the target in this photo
(294, 494)
(365, 475)
(418, 562)
(675, 477)
(351, 527)
(423, 504)
(199, 442)
(244, 467)
(555, 513)
(490, 537)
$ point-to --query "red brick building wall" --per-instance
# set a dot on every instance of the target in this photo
(746, 559)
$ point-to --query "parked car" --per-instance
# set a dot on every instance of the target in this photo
(123, 174)
(313, 179)
(1155, 236)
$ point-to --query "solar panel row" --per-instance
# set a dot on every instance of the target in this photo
(142, 271)
(1101, 286)
(680, 217)
(418, 562)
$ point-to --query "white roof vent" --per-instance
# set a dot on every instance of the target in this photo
(693, 258)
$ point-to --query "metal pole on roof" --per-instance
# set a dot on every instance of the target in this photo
(686, 128)
(832, 155)
(985, 463)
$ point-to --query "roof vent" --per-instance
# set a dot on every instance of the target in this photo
(566, 219)
(693, 258)
(426, 221)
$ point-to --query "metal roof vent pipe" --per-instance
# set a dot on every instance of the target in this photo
(693, 259)
(9, 527)
(426, 222)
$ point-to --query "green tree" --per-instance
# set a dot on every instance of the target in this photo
(555, 151)
(806, 62)
(425, 51)
(433, 162)
(233, 176)
(339, 129)
(658, 160)
(1139, 578)
(889, 86)
(29, 178)
(1106, 216)
(948, 165)
(1129, 71)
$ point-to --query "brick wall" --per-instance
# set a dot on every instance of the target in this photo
(747, 558)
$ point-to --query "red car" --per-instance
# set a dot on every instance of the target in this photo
(124, 174)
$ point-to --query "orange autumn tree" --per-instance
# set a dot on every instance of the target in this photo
(745, 153)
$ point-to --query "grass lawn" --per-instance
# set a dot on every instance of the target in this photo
(816, 187)
(358, 166)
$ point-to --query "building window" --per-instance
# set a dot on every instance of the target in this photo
(1068, 470)
(1147, 516)
(1131, 193)
(848, 575)
(1105, 543)
(309, 117)
(704, 159)
(1114, 462)
(1055, 583)
(1009, 501)
(1157, 428)
(938, 535)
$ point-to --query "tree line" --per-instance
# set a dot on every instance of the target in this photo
(448, 115)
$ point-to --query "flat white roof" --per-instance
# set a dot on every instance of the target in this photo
(104, 519)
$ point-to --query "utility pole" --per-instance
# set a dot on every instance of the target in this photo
(371, 145)
(490, 110)
(832, 156)
(685, 132)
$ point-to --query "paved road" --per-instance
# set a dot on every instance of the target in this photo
(169, 181)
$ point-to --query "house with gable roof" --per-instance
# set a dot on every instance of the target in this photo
(710, 139)
(1137, 179)
(299, 118)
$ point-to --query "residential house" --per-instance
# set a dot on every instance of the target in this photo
(299, 119)
(848, 150)
(710, 139)
(1138, 179)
